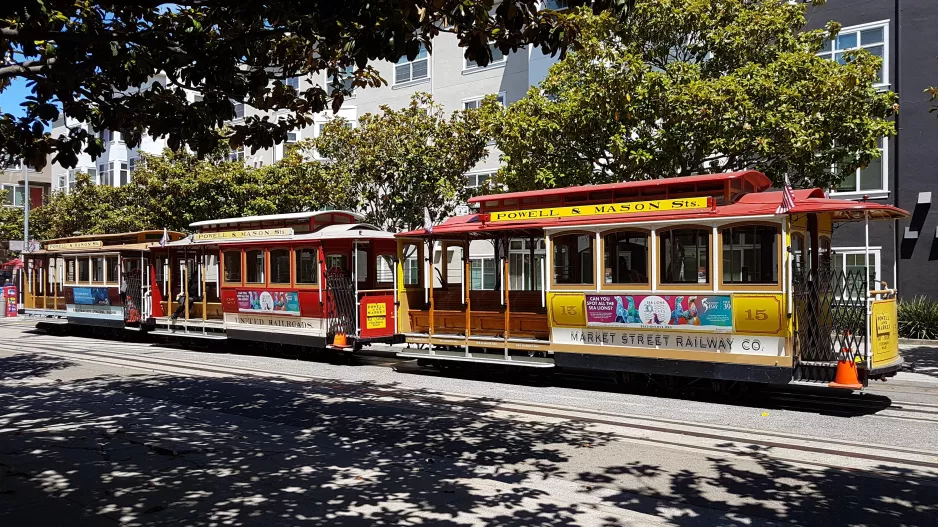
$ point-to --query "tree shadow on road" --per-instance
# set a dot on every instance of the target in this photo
(30, 365)
(239, 451)
(774, 491)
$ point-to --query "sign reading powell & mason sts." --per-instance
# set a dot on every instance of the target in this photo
(658, 205)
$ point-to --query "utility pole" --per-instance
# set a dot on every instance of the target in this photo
(26, 208)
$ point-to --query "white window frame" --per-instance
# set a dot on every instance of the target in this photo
(237, 155)
(327, 79)
(545, 5)
(470, 68)
(482, 259)
(412, 80)
(7, 186)
(478, 100)
(857, 29)
(875, 193)
(842, 252)
(474, 176)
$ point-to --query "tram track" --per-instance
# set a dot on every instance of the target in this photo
(636, 424)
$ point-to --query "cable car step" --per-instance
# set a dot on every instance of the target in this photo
(530, 362)
(192, 333)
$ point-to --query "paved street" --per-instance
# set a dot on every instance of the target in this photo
(101, 432)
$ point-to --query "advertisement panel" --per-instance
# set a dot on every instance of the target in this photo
(91, 296)
(269, 302)
(688, 312)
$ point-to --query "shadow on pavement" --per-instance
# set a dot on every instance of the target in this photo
(154, 450)
(923, 358)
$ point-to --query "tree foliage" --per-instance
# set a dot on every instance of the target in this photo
(76, 53)
(399, 162)
(177, 189)
(696, 86)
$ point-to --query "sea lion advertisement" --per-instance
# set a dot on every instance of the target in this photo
(703, 312)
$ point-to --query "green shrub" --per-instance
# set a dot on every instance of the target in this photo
(918, 318)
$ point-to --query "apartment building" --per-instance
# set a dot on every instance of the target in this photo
(904, 33)
(13, 185)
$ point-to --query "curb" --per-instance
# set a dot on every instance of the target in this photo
(920, 342)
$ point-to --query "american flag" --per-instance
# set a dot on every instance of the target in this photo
(165, 239)
(788, 198)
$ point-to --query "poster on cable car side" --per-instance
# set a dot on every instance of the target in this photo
(269, 302)
(697, 312)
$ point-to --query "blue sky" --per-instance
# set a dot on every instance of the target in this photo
(11, 98)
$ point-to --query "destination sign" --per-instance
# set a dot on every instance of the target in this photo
(74, 245)
(599, 209)
(238, 235)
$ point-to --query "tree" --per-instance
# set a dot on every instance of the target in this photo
(89, 59)
(696, 86)
(400, 162)
(177, 189)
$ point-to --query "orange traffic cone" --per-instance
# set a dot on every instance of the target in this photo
(339, 340)
(846, 375)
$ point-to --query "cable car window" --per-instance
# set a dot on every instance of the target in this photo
(685, 256)
(97, 269)
(334, 261)
(750, 254)
(280, 266)
(797, 251)
(111, 269)
(411, 264)
(307, 270)
(70, 270)
(385, 271)
(232, 261)
(625, 258)
(573, 259)
(255, 266)
(362, 264)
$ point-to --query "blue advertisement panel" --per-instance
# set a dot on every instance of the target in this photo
(704, 312)
(91, 296)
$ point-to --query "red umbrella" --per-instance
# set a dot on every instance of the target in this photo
(16, 263)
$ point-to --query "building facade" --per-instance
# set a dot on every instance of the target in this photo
(903, 32)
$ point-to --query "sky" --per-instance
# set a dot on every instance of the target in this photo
(11, 98)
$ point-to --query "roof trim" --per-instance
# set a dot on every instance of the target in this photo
(274, 217)
(760, 180)
(109, 236)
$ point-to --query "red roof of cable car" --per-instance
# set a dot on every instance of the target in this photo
(753, 204)
(758, 180)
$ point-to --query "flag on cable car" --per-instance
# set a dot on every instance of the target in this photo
(165, 239)
(788, 198)
(427, 222)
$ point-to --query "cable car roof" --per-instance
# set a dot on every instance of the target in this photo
(761, 204)
(757, 179)
(348, 231)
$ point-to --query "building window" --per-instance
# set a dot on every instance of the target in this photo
(232, 262)
(123, 174)
(417, 69)
(102, 173)
(482, 273)
(236, 155)
(750, 255)
(573, 259)
(685, 256)
(625, 258)
(14, 195)
(556, 5)
(852, 260)
(307, 267)
(524, 269)
(293, 82)
(280, 266)
(475, 103)
(292, 138)
(478, 180)
(869, 179)
(131, 165)
(497, 58)
(238, 109)
(871, 37)
(255, 266)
